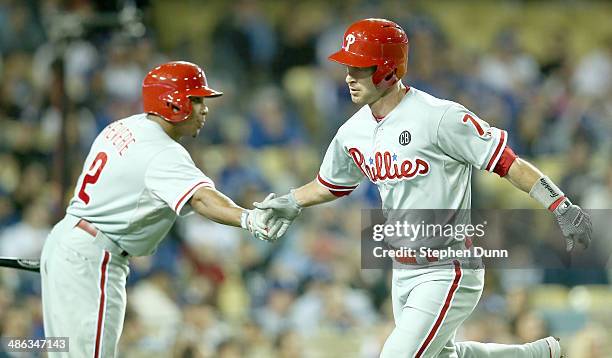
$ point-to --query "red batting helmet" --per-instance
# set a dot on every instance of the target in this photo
(166, 90)
(375, 42)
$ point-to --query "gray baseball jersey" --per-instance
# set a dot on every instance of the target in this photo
(135, 181)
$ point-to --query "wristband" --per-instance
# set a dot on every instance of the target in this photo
(244, 217)
(547, 193)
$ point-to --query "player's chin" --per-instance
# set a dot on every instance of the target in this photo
(196, 133)
(357, 99)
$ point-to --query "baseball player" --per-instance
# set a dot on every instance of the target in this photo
(136, 180)
(420, 150)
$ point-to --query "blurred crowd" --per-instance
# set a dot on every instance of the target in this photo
(210, 291)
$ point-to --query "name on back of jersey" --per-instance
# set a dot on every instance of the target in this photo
(119, 136)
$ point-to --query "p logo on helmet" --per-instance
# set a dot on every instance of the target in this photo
(375, 42)
(349, 40)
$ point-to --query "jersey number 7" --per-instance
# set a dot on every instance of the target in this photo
(475, 123)
(92, 178)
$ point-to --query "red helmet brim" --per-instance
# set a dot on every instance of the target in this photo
(352, 59)
(203, 92)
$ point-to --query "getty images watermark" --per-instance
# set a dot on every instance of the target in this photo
(497, 238)
(409, 240)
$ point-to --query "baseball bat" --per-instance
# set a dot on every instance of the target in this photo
(20, 264)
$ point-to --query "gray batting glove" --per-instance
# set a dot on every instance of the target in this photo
(575, 224)
(285, 209)
(258, 221)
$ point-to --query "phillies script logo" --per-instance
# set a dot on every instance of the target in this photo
(386, 166)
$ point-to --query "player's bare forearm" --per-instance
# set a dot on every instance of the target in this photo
(523, 174)
(313, 194)
(215, 206)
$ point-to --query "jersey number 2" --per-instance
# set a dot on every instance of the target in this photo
(92, 178)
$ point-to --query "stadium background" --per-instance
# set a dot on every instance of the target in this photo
(542, 70)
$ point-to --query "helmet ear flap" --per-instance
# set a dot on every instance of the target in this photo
(385, 75)
(391, 75)
(179, 107)
(175, 109)
(388, 81)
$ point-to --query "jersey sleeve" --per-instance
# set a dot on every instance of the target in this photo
(339, 173)
(469, 139)
(173, 177)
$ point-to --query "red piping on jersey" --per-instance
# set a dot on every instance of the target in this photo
(557, 202)
(339, 191)
(443, 311)
(333, 186)
(549, 349)
(502, 138)
(101, 307)
(178, 205)
(505, 162)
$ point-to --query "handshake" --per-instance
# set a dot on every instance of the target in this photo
(272, 217)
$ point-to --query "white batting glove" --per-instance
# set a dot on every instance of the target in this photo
(256, 222)
(285, 209)
(575, 224)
